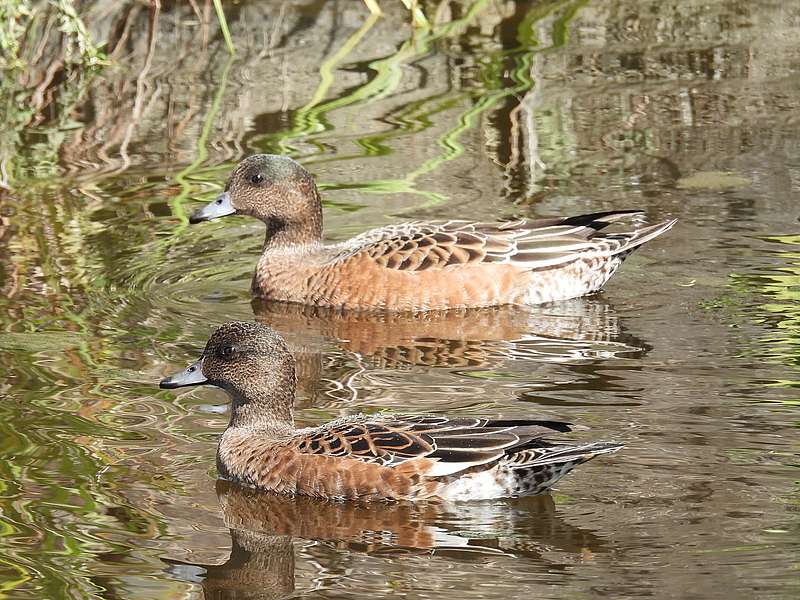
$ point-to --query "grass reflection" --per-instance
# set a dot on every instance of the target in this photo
(782, 310)
(182, 177)
(463, 106)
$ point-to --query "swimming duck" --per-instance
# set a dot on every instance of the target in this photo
(369, 457)
(437, 265)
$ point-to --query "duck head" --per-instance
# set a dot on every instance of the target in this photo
(274, 189)
(253, 365)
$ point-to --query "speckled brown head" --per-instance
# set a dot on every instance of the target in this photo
(276, 190)
(253, 365)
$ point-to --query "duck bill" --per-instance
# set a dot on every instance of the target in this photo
(221, 207)
(193, 375)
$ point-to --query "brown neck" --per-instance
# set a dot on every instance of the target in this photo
(303, 228)
(267, 404)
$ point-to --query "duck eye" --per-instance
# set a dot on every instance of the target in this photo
(227, 351)
(257, 178)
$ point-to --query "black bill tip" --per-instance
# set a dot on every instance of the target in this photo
(198, 217)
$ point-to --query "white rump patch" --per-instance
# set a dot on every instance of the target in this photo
(485, 485)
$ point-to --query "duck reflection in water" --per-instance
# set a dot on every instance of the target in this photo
(279, 544)
(578, 330)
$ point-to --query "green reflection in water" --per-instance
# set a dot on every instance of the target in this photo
(782, 312)
(71, 346)
(79, 315)
(183, 176)
(311, 119)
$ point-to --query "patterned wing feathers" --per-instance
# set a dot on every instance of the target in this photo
(525, 244)
(448, 445)
(369, 442)
(426, 247)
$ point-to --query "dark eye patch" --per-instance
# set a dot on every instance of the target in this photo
(257, 178)
(227, 351)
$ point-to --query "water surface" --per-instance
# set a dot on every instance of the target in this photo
(690, 356)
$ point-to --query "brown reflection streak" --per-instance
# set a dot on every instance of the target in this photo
(580, 329)
(264, 526)
(368, 525)
(441, 339)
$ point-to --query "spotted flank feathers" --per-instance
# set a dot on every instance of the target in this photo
(376, 457)
(420, 265)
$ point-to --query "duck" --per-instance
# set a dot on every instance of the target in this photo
(383, 456)
(416, 266)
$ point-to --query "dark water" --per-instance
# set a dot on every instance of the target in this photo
(691, 356)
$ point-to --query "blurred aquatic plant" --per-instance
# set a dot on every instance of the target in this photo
(47, 59)
(223, 25)
(27, 36)
(418, 17)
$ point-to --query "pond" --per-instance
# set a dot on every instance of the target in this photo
(690, 356)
